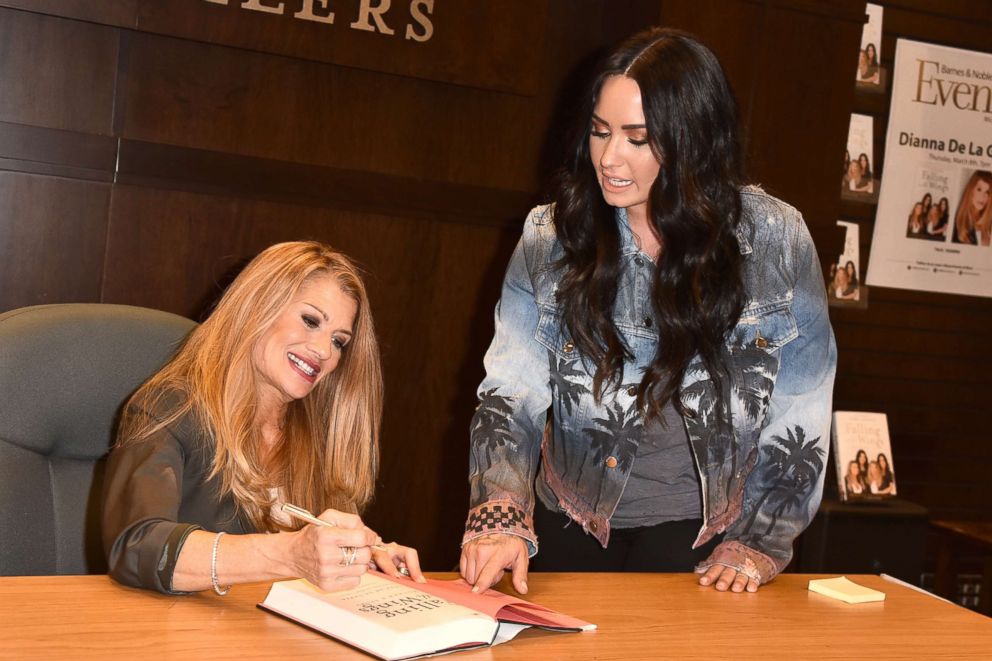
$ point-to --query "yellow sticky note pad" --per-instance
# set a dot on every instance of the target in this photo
(845, 590)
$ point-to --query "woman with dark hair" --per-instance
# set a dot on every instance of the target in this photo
(868, 67)
(861, 458)
(886, 483)
(852, 275)
(866, 183)
(674, 322)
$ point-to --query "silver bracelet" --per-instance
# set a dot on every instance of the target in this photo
(213, 568)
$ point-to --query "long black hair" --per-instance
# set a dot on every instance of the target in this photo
(694, 205)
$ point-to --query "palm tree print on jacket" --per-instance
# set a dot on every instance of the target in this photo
(569, 392)
(618, 435)
(792, 469)
(750, 379)
(491, 423)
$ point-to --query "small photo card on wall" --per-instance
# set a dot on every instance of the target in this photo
(869, 59)
(845, 286)
(858, 182)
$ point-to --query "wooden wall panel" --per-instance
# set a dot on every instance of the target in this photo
(52, 236)
(224, 99)
(479, 44)
(56, 73)
(123, 13)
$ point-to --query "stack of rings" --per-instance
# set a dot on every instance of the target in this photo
(348, 554)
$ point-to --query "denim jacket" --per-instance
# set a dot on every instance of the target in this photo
(760, 445)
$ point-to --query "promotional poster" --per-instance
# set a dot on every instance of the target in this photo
(932, 228)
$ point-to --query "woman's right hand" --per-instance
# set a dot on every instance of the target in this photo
(485, 559)
(332, 557)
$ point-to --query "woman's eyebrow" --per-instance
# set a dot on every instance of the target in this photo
(322, 313)
(625, 127)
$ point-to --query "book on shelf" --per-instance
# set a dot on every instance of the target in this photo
(395, 618)
(863, 455)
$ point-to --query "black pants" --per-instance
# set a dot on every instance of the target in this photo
(666, 547)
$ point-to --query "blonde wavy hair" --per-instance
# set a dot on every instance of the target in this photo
(966, 220)
(330, 451)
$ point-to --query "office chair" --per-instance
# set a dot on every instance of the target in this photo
(65, 371)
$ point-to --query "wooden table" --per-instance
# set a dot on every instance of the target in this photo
(640, 616)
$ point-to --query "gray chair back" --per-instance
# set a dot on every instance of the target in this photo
(65, 371)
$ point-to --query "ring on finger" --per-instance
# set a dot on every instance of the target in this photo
(348, 554)
(404, 571)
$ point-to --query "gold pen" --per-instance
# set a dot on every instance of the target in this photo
(304, 515)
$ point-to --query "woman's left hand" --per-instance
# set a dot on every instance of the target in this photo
(393, 559)
(727, 578)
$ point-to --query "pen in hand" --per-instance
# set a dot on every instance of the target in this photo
(304, 515)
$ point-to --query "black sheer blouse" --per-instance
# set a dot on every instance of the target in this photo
(155, 494)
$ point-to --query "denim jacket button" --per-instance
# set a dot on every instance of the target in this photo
(611, 462)
(632, 391)
(593, 526)
(568, 347)
(647, 322)
(639, 261)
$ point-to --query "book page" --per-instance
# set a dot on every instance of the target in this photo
(498, 605)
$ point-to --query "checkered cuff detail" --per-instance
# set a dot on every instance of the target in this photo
(497, 518)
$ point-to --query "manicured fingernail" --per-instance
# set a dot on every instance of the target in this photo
(475, 588)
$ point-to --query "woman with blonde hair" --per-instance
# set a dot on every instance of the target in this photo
(276, 398)
(973, 220)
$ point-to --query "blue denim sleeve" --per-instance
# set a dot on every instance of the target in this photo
(514, 397)
(783, 491)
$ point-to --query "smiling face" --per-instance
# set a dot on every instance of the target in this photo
(980, 196)
(305, 342)
(619, 149)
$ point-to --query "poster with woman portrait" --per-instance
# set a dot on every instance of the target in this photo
(858, 181)
(869, 63)
(934, 220)
(844, 277)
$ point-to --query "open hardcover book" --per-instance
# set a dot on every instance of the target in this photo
(399, 619)
(863, 455)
